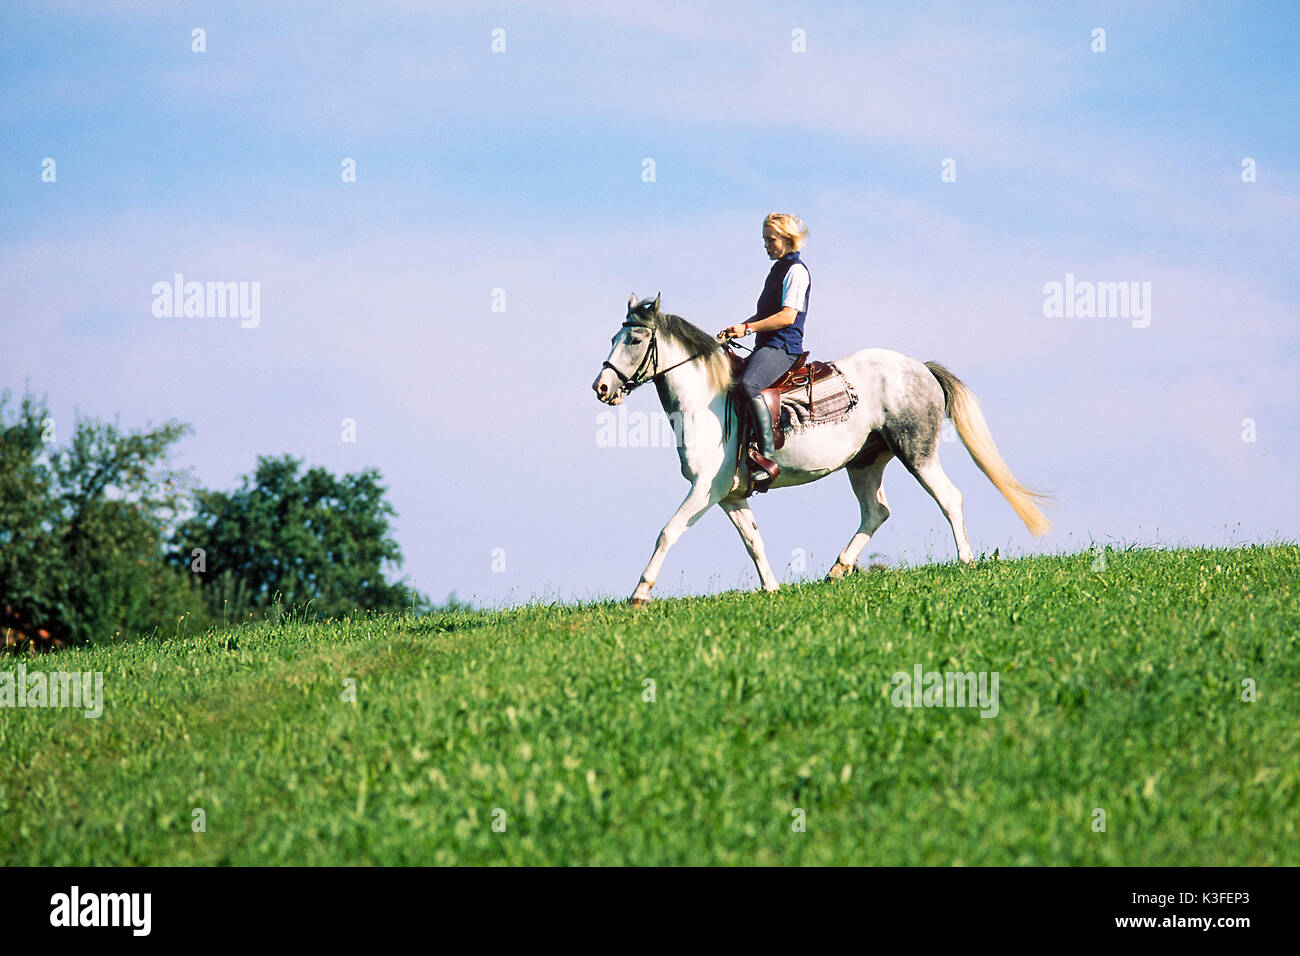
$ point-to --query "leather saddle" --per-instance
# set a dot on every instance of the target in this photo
(801, 375)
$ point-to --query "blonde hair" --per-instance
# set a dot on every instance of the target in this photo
(788, 226)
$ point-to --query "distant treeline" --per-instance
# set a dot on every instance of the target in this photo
(101, 539)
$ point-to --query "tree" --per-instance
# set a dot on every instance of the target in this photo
(83, 528)
(295, 538)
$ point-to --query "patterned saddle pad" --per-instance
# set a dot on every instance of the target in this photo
(832, 400)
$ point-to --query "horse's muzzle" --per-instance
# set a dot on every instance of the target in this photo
(607, 388)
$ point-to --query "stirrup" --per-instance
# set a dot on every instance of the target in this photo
(762, 470)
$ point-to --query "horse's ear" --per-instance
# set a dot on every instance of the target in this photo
(657, 295)
(632, 300)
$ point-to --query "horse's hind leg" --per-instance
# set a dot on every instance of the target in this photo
(913, 435)
(933, 479)
(865, 474)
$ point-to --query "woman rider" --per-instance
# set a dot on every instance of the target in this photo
(778, 319)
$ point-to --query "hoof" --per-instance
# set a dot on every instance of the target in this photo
(837, 571)
(637, 602)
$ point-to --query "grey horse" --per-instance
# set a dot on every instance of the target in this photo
(901, 406)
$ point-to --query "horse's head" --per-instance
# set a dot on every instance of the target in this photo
(634, 356)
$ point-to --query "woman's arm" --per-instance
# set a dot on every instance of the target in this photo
(777, 320)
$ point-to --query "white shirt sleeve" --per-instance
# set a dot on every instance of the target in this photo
(794, 288)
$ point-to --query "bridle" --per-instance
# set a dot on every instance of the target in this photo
(650, 360)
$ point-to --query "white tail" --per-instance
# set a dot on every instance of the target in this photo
(963, 408)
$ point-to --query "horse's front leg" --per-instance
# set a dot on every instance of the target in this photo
(704, 494)
(743, 519)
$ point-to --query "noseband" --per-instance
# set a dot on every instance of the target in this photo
(649, 360)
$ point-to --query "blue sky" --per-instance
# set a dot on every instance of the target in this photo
(522, 171)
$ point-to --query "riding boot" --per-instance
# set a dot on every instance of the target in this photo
(766, 441)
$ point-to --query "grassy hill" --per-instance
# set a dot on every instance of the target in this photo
(1120, 689)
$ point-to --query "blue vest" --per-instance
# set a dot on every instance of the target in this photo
(789, 338)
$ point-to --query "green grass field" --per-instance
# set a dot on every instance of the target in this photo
(1119, 689)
